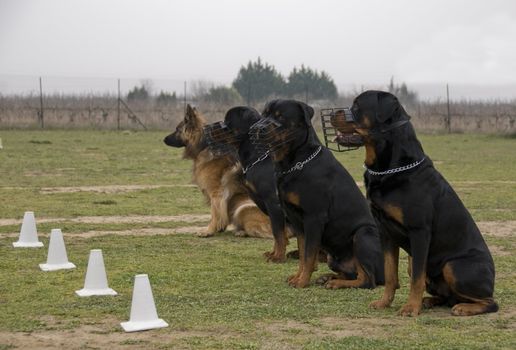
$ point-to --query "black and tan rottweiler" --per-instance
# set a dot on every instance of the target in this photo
(320, 199)
(418, 211)
(231, 136)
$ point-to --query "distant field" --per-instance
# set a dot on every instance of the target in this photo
(130, 195)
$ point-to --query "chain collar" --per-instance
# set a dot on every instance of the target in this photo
(300, 165)
(260, 158)
(395, 170)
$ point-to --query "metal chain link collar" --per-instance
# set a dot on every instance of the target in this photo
(300, 165)
(395, 170)
(262, 157)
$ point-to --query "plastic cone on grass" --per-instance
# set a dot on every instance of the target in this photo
(28, 232)
(95, 282)
(56, 258)
(143, 310)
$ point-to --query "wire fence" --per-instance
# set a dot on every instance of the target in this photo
(32, 102)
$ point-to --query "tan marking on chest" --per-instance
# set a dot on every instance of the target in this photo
(293, 198)
(394, 212)
(370, 154)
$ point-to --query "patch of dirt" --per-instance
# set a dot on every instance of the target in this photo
(497, 228)
(104, 336)
(335, 327)
(39, 173)
(494, 228)
(498, 250)
(116, 219)
(142, 232)
(135, 232)
(502, 182)
(105, 189)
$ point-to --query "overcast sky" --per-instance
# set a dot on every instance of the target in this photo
(358, 42)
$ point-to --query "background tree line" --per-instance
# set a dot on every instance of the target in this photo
(255, 82)
(259, 81)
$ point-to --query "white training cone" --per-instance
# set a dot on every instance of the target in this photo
(56, 258)
(96, 280)
(28, 232)
(143, 309)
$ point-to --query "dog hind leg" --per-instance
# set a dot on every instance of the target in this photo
(367, 259)
(473, 283)
(249, 218)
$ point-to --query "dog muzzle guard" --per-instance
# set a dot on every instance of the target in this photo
(220, 139)
(269, 135)
(333, 138)
(331, 118)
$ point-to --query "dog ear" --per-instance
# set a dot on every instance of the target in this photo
(308, 112)
(268, 106)
(387, 108)
(191, 114)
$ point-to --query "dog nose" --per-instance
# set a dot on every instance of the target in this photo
(168, 140)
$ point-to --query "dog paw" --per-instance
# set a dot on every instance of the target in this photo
(333, 284)
(322, 280)
(293, 254)
(465, 309)
(298, 283)
(274, 258)
(430, 302)
(379, 304)
(205, 234)
(292, 278)
(240, 233)
(410, 310)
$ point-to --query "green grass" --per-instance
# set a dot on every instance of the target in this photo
(219, 293)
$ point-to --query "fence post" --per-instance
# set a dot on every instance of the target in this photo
(41, 104)
(448, 119)
(118, 108)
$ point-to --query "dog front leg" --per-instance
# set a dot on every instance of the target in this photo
(390, 258)
(292, 280)
(278, 254)
(312, 244)
(419, 245)
(219, 217)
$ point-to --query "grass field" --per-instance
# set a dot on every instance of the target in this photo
(130, 195)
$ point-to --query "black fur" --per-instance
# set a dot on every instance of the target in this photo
(259, 178)
(420, 212)
(323, 204)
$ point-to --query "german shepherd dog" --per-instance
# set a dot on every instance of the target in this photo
(321, 200)
(219, 179)
(231, 136)
(418, 211)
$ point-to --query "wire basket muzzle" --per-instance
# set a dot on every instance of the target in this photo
(334, 139)
(220, 139)
(269, 135)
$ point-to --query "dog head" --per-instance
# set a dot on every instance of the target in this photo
(286, 125)
(371, 116)
(188, 133)
(226, 137)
